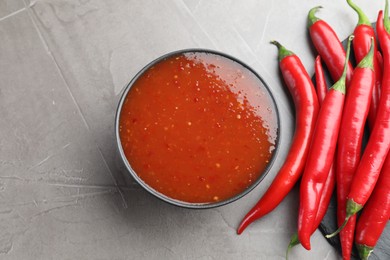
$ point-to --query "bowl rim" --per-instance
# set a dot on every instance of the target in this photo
(162, 196)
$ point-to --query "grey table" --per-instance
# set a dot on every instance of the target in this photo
(63, 64)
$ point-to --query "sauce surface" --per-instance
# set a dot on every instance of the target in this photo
(198, 127)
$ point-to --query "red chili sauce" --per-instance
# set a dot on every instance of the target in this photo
(198, 127)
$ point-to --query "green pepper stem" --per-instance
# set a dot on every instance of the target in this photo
(364, 251)
(339, 229)
(340, 84)
(352, 209)
(293, 242)
(368, 60)
(283, 52)
(311, 17)
(363, 19)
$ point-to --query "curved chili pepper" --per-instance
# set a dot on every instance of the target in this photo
(378, 144)
(306, 108)
(321, 154)
(328, 45)
(330, 183)
(349, 145)
(375, 214)
(321, 89)
(361, 45)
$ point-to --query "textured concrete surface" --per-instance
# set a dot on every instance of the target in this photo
(63, 64)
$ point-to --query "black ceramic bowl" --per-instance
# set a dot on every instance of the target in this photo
(178, 202)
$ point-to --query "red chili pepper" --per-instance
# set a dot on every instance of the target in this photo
(331, 180)
(321, 87)
(378, 144)
(321, 154)
(322, 90)
(361, 45)
(306, 108)
(349, 145)
(328, 45)
(375, 214)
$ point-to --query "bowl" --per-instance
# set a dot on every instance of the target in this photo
(197, 128)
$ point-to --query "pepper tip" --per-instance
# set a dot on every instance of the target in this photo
(306, 245)
(244, 223)
(304, 239)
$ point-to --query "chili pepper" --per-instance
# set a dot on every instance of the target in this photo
(375, 214)
(322, 90)
(321, 87)
(361, 45)
(321, 154)
(328, 45)
(378, 145)
(306, 108)
(331, 180)
(349, 145)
